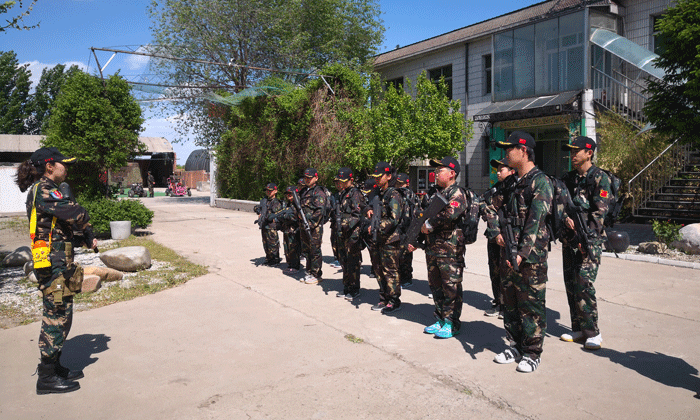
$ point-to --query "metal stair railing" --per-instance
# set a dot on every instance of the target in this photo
(657, 174)
(618, 95)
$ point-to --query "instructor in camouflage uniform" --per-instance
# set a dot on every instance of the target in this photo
(53, 218)
(351, 205)
(388, 240)
(525, 211)
(444, 251)
(589, 187)
(313, 203)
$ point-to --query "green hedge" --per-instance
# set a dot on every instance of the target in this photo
(105, 210)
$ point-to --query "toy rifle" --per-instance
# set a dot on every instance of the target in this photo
(88, 234)
(509, 238)
(297, 205)
(376, 217)
(262, 218)
(435, 206)
(584, 236)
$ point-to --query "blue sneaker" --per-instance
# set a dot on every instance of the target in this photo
(446, 331)
(432, 329)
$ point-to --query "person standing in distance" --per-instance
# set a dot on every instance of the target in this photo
(52, 220)
(590, 189)
(524, 285)
(270, 237)
(313, 203)
(444, 251)
(151, 184)
(352, 205)
(410, 198)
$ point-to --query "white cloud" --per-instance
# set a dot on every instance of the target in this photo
(138, 62)
(37, 67)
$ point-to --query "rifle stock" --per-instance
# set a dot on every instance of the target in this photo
(297, 205)
(583, 234)
(435, 206)
(509, 238)
(376, 217)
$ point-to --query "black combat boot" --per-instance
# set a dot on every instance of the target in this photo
(66, 373)
(50, 383)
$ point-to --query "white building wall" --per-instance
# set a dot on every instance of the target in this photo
(13, 200)
(637, 19)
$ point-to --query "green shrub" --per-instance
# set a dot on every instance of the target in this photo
(105, 210)
(667, 231)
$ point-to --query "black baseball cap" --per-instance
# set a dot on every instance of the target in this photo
(369, 185)
(291, 189)
(495, 163)
(580, 142)
(271, 186)
(381, 168)
(344, 174)
(403, 178)
(47, 155)
(310, 172)
(517, 138)
(448, 162)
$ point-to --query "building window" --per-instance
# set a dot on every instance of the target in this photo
(486, 60)
(446, 72)
(426, 179)
(396, 83)
(657, 37)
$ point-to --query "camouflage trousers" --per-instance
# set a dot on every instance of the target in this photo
(336, 243)
(405, 266)
(271, 244)
(314, 258)
(56, 322)
(579, 275)
(388, 273)
(494, 255)
(374, 257)
(524, 311)
(292, 249)
(445, 281)
(350, 257)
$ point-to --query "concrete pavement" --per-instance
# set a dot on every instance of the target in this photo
(246, 341)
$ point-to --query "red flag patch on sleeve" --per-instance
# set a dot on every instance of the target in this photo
(454, 204)
(603, 193)
(56, 194)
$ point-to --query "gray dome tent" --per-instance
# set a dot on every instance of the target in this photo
(198, 161)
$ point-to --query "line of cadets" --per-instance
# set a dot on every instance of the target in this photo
(521, 199)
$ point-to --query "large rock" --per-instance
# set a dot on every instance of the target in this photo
(690, 242)
(18, 258)
(105, 273)
(651, 248)
(130, 258)
(91, 283)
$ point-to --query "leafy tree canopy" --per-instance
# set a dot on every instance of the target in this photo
(46, 92)
(674, 104)
(275, 34)
(14, 22)
(14, 94)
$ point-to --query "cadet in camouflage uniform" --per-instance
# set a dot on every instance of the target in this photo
(388, 240)
(288, 223)
(406, 261)
(525, 210)
(53, 218)
(313, 202)
(590, 188)
(270, 238)
(352, 205)
(494, 198)
(444, 251)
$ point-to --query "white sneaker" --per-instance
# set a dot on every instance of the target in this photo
(312, 280)
(572, 336)
(528, 365)
(594, 343)
(508, 355)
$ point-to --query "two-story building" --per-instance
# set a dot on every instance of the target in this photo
(545, 69)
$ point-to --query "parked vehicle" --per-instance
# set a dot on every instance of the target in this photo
(176, 189)
(137, 190)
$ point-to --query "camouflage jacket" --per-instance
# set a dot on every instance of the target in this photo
(288, 221)
(593, 198)
(51, 203)
(446, 239)
(527, 208)
(313, 203)
(352, 206)
(273, 206)
(392, 205)
(489, 205)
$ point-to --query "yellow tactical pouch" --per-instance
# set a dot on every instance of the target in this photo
(40, 254)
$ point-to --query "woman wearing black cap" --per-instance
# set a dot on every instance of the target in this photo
(52, 219)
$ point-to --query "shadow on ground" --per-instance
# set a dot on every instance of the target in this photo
(78, 351)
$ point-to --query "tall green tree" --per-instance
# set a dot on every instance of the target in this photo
(674, 103)
(14, 94)
(41, 101)
(99, 123)
(275, 34)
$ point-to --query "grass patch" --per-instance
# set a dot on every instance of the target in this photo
(176, 270)
(351, 338)
(18, 224)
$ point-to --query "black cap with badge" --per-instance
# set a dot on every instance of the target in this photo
(517, 138)
(47, 155)
(448, 162)
(580, 142)
(344, 174)
(382, 168)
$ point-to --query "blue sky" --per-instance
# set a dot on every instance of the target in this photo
(68, 28)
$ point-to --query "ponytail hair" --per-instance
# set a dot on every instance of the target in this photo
(28, 174)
